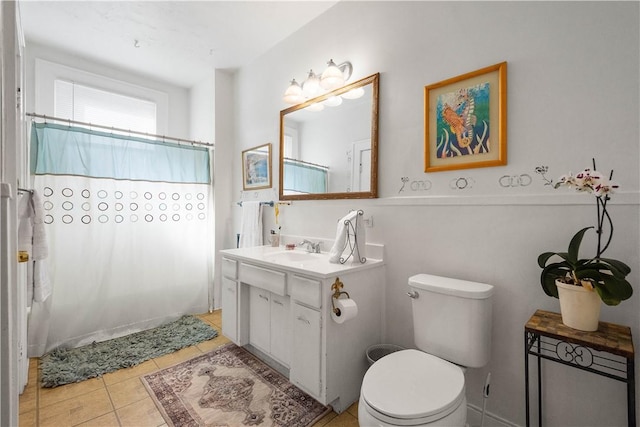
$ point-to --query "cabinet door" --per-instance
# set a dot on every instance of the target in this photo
(259, 319)
(280, 328)
(230, 309)
(306, 351)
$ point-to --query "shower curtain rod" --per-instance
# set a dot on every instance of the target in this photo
(189, 141)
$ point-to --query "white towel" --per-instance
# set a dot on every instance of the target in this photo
(40, 247)
(251, 227)
(25, 238)
(33, 239)
(25, 226)
(341, 236)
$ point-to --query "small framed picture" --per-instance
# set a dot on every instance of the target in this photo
(466, 121)
(256, 167)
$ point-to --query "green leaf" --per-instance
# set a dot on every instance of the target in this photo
(549, 275)
(619, 265)
(544, 258)
(574, 245)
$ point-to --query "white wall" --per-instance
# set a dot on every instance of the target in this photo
(573, 84)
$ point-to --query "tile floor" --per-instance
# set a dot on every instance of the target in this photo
(119, 398)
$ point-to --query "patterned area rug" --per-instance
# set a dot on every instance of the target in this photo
(230, 387)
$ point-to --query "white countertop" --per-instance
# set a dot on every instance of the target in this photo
(316, 265)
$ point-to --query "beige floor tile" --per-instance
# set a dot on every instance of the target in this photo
(77, 409)
(127, 373)
(325, 420)
(214, 318)
(353, 409)
(140, 414)
(49, 396)
(345, 419)
(28, 419)
(92, 402)
(207, 346)
(106, 420)
(177, 357)
(127, 392)
(33, 371)
(217, 318)
(27, 400)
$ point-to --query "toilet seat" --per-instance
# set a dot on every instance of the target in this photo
(411, 387)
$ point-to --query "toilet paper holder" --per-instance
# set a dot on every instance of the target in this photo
(337, 291)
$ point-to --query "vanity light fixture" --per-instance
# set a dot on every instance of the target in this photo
(332, 78)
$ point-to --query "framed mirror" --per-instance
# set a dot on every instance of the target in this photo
(329, 145)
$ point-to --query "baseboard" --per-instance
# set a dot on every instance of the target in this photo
(474, 416)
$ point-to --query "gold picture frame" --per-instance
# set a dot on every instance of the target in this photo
(466, 121)
(256, 167)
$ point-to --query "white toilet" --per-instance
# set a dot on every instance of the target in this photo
(426, 387)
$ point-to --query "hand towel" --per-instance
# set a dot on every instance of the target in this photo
(251, 227)
(341, 236)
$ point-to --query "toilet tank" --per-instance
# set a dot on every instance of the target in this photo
(452, 318)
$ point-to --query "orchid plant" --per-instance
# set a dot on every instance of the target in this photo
(604, 275)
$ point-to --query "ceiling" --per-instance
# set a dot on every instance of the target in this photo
(180, 42)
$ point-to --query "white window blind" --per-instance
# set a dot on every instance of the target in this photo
(86, 104)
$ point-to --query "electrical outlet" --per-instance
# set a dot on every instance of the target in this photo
(368, 222)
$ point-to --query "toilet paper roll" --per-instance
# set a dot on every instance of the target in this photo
(347, 310)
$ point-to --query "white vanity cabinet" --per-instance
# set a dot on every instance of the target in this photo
(307, 350)
(269, 323)
(283, 310)
(230, 299)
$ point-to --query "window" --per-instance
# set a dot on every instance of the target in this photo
(87, 104)
(66, 92)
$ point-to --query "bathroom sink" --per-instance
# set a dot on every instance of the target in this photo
(292, 256)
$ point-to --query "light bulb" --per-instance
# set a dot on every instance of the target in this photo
(293, 94)
(332, 77)
(311, 86)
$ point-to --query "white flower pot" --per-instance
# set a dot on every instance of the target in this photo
(579, 307)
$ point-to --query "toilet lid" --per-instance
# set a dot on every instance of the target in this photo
(411, 384)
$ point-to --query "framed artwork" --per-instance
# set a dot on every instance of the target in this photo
(465, 121)
(256, 167)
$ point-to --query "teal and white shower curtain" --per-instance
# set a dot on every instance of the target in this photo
(129, 225)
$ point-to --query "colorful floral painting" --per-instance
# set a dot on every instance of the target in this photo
(463, 122)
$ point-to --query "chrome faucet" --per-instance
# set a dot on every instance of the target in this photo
(311, 247)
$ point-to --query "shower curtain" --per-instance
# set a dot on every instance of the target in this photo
(129, 225)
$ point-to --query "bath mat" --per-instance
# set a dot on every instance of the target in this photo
(230, 387)
(65, 366)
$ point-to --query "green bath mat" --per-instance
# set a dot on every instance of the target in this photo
(65, 366)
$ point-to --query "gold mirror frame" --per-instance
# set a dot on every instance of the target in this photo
(373, 191)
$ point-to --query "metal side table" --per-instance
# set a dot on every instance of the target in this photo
(607, 352)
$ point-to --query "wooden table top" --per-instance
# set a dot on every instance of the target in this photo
(610, 337)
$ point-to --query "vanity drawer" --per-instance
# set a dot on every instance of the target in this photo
(270, 280)
(229, 268)
(307, 291)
